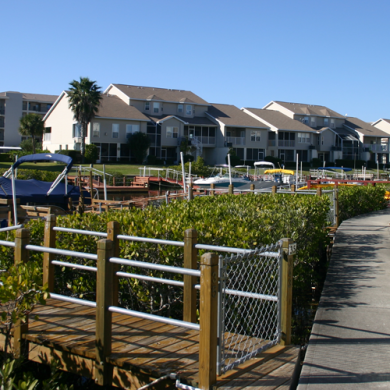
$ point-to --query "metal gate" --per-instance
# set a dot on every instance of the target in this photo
(249, 305)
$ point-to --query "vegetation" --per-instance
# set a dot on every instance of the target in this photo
(138, 144)
(84, 101)
(31, 125)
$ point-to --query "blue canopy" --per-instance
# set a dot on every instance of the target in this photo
(46, 157)
(342, 168)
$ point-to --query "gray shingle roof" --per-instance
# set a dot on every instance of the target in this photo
(39, 97)
(364, 127)
(232, 116)
(310, 109)
(113, 107)
(279, 120)
(161, 94)
(197, 120)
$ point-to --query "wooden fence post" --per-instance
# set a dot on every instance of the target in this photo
(190, 193)
(319, 191)
(49, 241)
(22, 238)
(212, 189)
(286, 293)
(208, 321)
(274, 190)
(231, 189)
(190, 261)
(252, 187)
(113, 229)
(292, 187)
(104, 299)
(91, 184)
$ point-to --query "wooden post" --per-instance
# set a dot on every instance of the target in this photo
(252, 187)
(292, 187)
(190, 193)
(22, 238)
(113, 229)
(319, 191)
(91, 184)
(104, 299)
(336, 205)
(212, 189)
(81, 199)
(190, 261)
(208, 321)
(114, 181)
(286, 293)
(49, 241)
(231, 189)
(274, 190)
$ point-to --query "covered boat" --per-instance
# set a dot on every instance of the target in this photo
(37, 192)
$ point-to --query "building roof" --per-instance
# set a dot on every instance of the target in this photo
(231, 115)
(379, 120)
(197, 121)
(364, 128)
(159, 94)
(309, 109)
(38, 97)
(279, 120)
(113, 107)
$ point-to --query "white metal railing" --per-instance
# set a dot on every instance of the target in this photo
(235, 140)
(286, 142)
(379, 148)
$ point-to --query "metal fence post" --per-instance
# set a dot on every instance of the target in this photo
(104, 299)
(113, 229)
(208, 321)
(190, 261)
(50, 242)
(22, 238)
(286, 290)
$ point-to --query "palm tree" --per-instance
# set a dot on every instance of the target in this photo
(31, 125)
(84, 101)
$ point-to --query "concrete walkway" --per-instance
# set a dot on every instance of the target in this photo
(349, 347)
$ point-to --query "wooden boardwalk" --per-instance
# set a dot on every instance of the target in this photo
(142, 350)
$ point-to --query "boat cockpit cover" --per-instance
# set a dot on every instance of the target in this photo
(46, 157)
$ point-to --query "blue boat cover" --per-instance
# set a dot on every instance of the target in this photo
(45, 157)
(342, 168)
(34, 191)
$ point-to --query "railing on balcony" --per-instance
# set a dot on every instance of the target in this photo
(379, 148)
(206, 140)
(286, 142)
(271, 142)
(235, 140)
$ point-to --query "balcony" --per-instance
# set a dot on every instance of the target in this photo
(2, 110)
(206, 140)
(235, 141)
(377, 148)
(286, 142)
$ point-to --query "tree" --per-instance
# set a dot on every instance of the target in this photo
(84, 101)
(138, 145)
(32, 126)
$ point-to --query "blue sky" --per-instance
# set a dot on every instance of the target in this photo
(246, 53)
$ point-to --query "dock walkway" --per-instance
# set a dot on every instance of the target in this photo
(349, 344)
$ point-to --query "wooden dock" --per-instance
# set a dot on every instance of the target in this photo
(142, 350)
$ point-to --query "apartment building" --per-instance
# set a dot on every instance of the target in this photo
(15, 105)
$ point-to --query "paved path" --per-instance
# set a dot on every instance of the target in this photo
(349, 346)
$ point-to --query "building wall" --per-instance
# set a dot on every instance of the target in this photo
(283, 110)
(170, 142)
(384, 126)
(13, 113)
(327, 140)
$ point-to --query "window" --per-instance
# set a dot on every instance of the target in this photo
(326, 121)
(255, 136)
(188, 109)
(76, 130)
(47, 134)
(131, 129)
(147, 106)
(304, 138)
(180, 108)
(332, 123)
(313, 122)
(115, 130)
(305, 120)
(172, 132)
(48, 106)
(96, 130)
(156, 108)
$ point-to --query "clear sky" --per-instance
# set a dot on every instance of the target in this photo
(247, 53)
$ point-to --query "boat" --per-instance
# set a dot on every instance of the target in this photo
(221, 178)
(282, 176)
(38, 192)
(260, 168)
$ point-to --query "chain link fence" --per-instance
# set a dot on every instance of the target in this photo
(249, 312)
